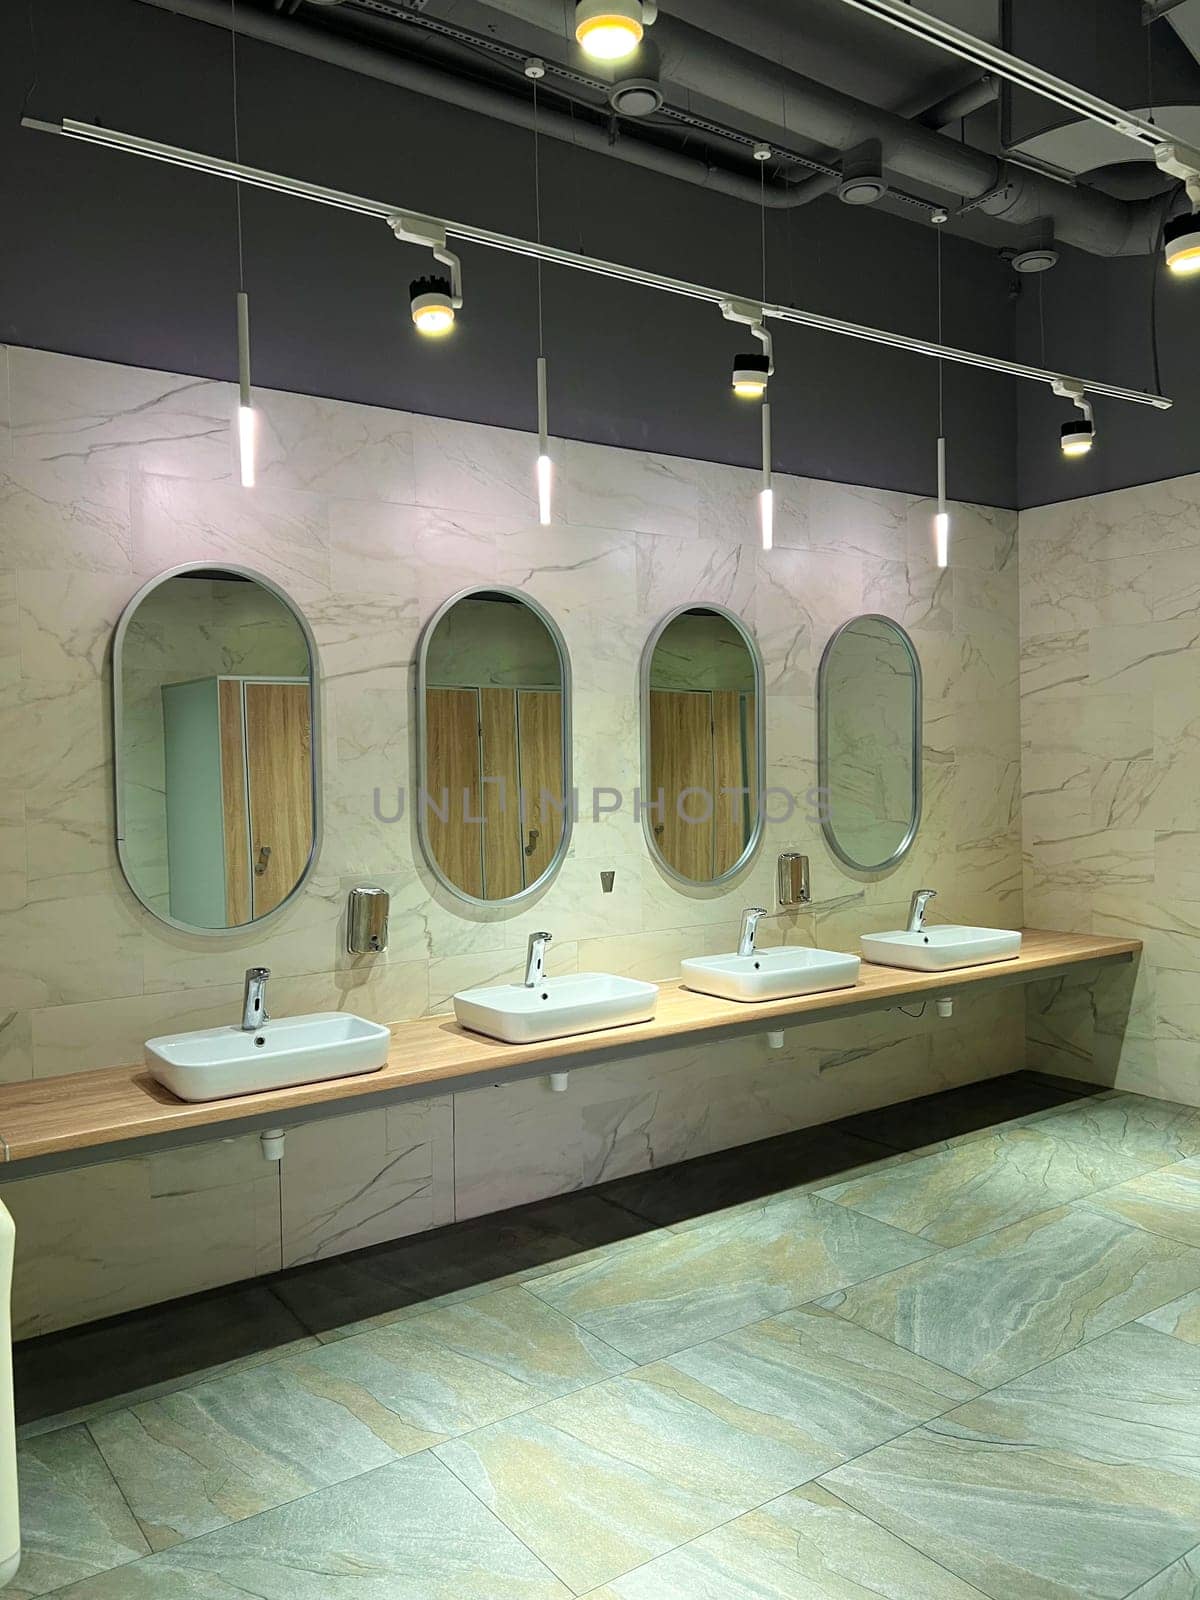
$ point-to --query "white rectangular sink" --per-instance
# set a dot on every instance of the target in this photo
(215, 1063)
(777, 974)
(555, 1007)
(941, 949)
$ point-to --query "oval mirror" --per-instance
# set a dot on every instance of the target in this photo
(215, 739)
(869, 743)
(702, 744)
(494, 801)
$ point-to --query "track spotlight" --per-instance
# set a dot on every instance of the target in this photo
(432, 306)
(436, 298)
(1181, 236)
(610, 30)
(1077, 437)
(1181, 244)
(750, 374)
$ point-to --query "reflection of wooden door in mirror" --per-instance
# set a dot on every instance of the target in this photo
(238, 898)
(681, 745)
(502, 874)
(452, 785)
(540, 721)
(734, 765)
(279, 768)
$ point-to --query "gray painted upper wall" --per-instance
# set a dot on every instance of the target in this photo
(133, 261)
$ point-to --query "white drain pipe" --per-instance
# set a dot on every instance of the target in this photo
(10, 1526)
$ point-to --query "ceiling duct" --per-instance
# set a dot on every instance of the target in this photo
(757, 96)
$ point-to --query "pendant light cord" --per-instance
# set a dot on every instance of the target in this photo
(237, 142)
(537, 204)
(762, 212)
(941, 364)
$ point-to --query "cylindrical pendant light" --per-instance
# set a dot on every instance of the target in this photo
(247, 421)
(545, 467)
(941, 521)
(766, 495)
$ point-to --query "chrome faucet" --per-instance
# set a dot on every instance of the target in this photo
(535, 961)
(254, 1002)
(751, 918)
(916, 910)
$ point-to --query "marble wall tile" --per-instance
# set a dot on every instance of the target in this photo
(96, 413)
(282, 533)
(357, 1180)
(97, 1240)
(66, 514)
(1110, 714)
(611, 488)
(333, 446)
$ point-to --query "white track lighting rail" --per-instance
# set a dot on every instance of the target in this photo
(217, 166)
(990, 58)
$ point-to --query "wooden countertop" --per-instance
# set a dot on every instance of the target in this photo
(114, 1105)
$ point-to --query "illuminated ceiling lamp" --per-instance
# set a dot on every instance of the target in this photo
(1076, 438)
(435, 298)
(1181, 236)
(611, 30)
(1181, 245)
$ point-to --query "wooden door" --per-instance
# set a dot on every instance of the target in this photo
(734, 764)
(539, 713)
(238, 897)
(681, 757)
(452, 777)
(502, 837)
(279, 771)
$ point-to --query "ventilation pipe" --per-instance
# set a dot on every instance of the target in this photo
(763, 100)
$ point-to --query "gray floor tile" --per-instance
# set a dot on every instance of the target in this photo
(74, 1520)
(1179, 1581)
(808, 1545)
(972, 1188)
(455, 1369)
(1165, 1201)
(605, 1479)
(197, 1460)
(660, 1294)
(409, 1531)
(1081, 1478)
(1178, 1317)
(1013, 1299)
(1154, 1132)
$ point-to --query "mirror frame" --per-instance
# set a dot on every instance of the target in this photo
(420, 731)
(918, 740)
(118, 719)
(760, 721)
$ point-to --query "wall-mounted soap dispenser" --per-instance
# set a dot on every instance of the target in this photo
(794, 887)
(367, 921)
